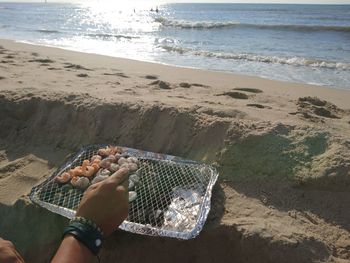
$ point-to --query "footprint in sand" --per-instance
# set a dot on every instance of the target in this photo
(82, 75)
(2, 50)
(1, 77)
(74, 66)
(42, 60)
(7, 61)
(185, 85)
(312, 108)
(113, 83)
(235, 95)
(161, 84)
(179, 96)
(200, 85)
(150, 77)
(259, 106)
(188, 85)
(119, 74)
(313, 100)
(251, 90)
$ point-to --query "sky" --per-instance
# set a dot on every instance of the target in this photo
(210, 1)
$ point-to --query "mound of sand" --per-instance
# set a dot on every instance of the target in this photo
(271, 199)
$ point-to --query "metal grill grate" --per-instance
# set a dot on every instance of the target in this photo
(173, 194)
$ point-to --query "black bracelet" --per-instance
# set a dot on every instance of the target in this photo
(90, 236)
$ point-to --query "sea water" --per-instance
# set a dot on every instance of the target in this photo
(298, 43)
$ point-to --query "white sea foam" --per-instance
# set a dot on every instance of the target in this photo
(195, 25)
(232, 24)
(293, 61)
(109, 36)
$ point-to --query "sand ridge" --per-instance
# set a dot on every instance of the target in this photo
(282, 155)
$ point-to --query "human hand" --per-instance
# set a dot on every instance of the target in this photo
(8, 252)
(107, 203)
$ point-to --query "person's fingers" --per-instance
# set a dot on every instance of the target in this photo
(9, 244)
(121, 190)
(118, 177)
(123, 194)
(125, 184)
(19, 256)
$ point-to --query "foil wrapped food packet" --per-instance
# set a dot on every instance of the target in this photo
(183, 210)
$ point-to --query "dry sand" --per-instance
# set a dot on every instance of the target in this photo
(282, 150)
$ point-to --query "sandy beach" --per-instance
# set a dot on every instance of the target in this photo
(282, 150)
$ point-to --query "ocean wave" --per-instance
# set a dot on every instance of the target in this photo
(106, 35)
(165, 41)
(214, 25)
(293, 61)
(48, 31)
(194, 25)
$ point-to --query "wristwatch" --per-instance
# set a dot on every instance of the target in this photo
(87, 232)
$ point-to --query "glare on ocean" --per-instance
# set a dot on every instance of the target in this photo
(120, 16)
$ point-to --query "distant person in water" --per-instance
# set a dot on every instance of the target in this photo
(102, 209)
(156, 10)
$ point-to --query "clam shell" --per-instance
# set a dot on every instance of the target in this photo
(105, 163)
(103, 172)
(114, 167)
(133, 160)
(158, 213)
(125, 165)
(99, 178)
(135, 178)
(111, 158)
(132, 196)
(133, 167)
(81, 183)
(131, 184)
(122, 160)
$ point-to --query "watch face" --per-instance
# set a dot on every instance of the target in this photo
(98, 242)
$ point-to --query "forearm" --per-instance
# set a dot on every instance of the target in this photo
(73, 251)
(95, 218)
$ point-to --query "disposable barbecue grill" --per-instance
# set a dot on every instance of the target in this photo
(173, 194)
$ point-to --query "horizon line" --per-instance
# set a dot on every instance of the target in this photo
(189, 2)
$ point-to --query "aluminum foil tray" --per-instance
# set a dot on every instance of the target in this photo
(173, 197)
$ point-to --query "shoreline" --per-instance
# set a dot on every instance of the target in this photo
(173, 65)
(57, 51)
(282, 150)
